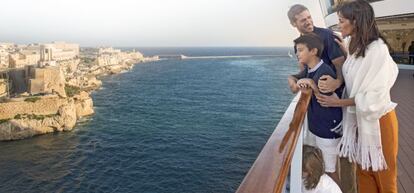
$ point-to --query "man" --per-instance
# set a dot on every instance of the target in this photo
(301, 19)
(411, 53)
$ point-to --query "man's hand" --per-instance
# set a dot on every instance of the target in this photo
(341, 43)
(328, 84)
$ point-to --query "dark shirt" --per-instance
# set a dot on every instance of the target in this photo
(331, 49)
(411, 49)
(322, 120)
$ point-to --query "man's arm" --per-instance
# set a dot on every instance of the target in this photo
(327, 83)
(337, 56)
(338, 62)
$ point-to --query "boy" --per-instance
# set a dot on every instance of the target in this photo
(324, 122)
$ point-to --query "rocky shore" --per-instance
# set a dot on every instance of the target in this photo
(66, 100)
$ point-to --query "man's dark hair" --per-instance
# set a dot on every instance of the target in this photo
(295, 10)
(311, 41)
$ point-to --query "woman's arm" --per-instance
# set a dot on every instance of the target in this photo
(334, 101)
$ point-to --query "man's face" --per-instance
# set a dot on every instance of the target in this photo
(304, 22)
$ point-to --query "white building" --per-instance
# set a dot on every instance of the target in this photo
(59, 51)
(108, 50)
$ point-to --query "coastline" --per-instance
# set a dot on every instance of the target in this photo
(67, 98)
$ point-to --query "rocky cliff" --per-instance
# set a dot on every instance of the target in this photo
(27, 125)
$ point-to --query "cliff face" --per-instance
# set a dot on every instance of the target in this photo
(28, 125)
(83, 105)
(69, 66)
(45, 105)
(87, 83)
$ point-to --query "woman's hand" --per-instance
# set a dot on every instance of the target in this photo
(329, 101)
(328, 84)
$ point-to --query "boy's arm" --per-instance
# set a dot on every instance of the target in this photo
(301, 74)
(292, 83)
(293, 79)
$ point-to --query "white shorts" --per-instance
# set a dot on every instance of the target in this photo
(328, 147)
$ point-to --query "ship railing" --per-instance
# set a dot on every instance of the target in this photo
(281, 155)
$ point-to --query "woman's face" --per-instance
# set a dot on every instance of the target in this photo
(345, 25)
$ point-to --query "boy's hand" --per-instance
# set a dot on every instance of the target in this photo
(308, 83)
(304, 83)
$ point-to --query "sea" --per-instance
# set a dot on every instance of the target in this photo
(194, 125)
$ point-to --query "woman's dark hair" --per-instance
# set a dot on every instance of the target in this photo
(361, 14)
(313, 165)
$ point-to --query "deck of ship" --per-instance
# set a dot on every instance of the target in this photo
(403, 94)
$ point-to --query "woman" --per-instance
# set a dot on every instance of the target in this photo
(370, 124)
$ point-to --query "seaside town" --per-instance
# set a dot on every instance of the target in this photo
(46, 87)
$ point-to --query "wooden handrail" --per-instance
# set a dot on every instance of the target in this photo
(268, 173)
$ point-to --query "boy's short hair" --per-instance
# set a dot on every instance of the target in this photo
(311, 41)
(295, 10)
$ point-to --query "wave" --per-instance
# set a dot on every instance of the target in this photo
(184, 57)
(220, 57)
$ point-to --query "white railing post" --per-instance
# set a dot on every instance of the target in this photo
(296, 166)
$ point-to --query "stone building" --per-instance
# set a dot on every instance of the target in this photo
(4, 58)
(3, 88)
(46, 80)
(22, 59)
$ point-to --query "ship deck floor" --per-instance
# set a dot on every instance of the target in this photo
(403, 94)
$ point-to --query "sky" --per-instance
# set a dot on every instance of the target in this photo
(152, 23)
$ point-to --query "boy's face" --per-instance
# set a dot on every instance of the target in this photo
(304, 54)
